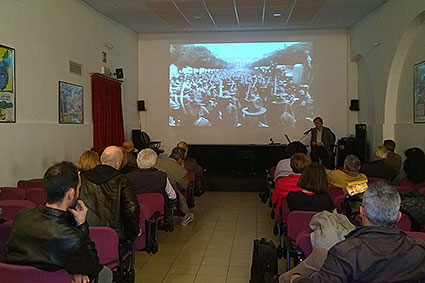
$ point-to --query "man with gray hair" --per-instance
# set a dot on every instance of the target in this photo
(147, 179)
(350, 173)
(109, 196)
(375, 252)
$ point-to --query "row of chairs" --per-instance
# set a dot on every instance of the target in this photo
(293, 228)
(153, 211)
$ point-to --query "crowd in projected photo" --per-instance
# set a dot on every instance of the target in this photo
(241, 84)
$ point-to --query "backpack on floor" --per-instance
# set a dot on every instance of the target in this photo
(264, 261)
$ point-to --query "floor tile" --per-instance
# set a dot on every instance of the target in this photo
(212, 270)
(216, 260)
(210, 279)
(179, 278)
(184, 268)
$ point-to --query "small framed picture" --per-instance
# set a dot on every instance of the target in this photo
(7, 85)
(70, 103)
(419, 92)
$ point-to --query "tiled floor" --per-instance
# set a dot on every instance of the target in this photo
(215, 247)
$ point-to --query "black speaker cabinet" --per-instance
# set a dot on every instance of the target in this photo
(346, 146)
(361, 143)
(120, 73)
(141, 105)
(354, 105)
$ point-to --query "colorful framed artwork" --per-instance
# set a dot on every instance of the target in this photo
(419, 92)
(70, 103)
(7, 85)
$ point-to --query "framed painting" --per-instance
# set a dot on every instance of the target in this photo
(419, 92)
(7, 85)
(70, 103)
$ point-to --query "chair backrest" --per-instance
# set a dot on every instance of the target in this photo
(36, 195)
(284, 210)
(371, 181)
(404, 223)
(153, 202)
(419, 235)
(4, 235)
(106, 242)
(13, 273)
(12, 207)
(403, 190)
(298, 221)
(407, 183)
(11, 193)
(33, 183)
(304, 242)
(272, 172)
(338, 203)
(334, 192)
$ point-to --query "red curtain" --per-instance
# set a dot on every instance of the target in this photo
(108, 125)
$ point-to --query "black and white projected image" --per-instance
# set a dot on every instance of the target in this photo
(241, 84)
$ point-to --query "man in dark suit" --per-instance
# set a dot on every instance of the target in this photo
(322, 143)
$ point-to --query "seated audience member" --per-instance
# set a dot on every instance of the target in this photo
(299, 162)
(393, 159)
(88, 160)
(283, 168)
(125, 167)
(413, 167)
(173, 167)
(109, 196)
(350, 173)
(190, 163)
(378, 168)
(55, 235)
(147, 179)
(375, 252)
(314, 194)
(131, 153)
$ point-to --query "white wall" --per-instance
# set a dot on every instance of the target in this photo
(330, 59)
(46, 34)
(386, 44)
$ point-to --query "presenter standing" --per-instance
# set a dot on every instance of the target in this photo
(322, 143)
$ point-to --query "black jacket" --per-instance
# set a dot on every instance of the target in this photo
(111, 201)
(373, 254)
(148, 181)
(49, 239)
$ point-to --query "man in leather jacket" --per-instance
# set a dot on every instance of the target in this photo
(55, 235)
(109, 196)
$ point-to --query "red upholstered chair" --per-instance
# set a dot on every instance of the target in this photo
(11, 193)
(4, 235)
(298, 223)
(419, 235)
(407, 183)
(404, 223)
(403, 190)
(36, 195)
(33, 183)
(303, 241)
(190, 192)
(338, 203)
(334, 192)
(111, 254)
(151, 210)
(12, 207)
(12, 273)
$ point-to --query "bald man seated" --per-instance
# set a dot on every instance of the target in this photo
(110, 197)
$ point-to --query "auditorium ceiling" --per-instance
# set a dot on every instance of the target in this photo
(234, 15)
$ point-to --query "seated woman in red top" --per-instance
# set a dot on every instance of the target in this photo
(299, 161)
(314, 194)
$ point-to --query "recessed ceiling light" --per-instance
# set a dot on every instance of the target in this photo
(277, 14)
(197, 17)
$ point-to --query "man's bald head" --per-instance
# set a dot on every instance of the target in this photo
(112, 156)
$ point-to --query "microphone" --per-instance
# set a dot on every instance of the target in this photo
(308, 131)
